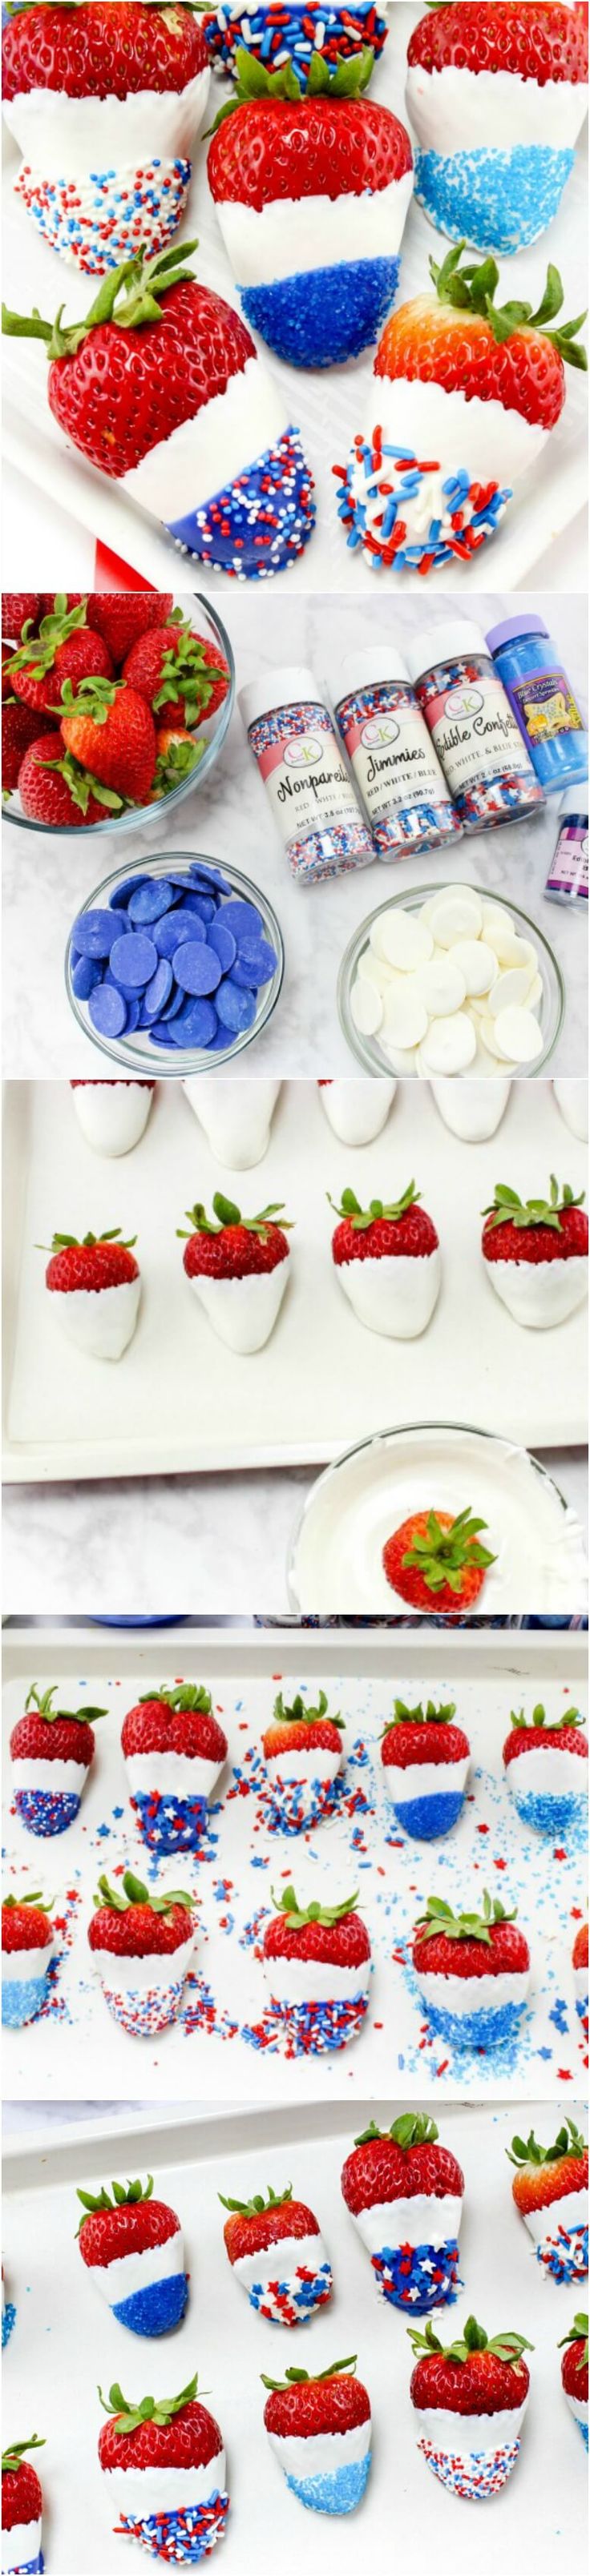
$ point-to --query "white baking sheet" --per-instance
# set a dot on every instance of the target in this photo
(487, 1675)
(64, 2340)
(328, 408)
(180, 1400)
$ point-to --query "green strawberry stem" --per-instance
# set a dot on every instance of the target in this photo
(81, 782)
(37, 653)
(534, 1725)
(507, 1209)
(299, 1915)
(578, 2333)
(85, 1243)
(12, 2458)
(297, 2378)
(175, 764)
(444, 1555)
(254, 85)
(14, 1904)
(412, 2129)
(150, 2410)
(123, 2197)
(507, 2347)
(472, 290)
(135, 1893)
(255, 2208)
(439, 1917)
(300, 1714)
(53, 1716)
(145, 279)
(360, 1218)
(569, 2142)
(188, 1695)
(420, 1716)
(229, 1215)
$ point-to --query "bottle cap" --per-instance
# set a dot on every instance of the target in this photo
(511, 628)
(275, 689)
(575, 799)
(444, 643)
(371, 664)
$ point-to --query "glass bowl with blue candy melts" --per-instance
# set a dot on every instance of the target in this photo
(176, 967)
(208, 737)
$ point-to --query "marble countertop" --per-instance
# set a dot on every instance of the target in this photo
(45, 880)
(219, 1543)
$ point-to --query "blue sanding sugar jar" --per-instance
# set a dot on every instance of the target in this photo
(307, 779)
(480, 746)
(399, 779)
(539, 691)
(567, 881)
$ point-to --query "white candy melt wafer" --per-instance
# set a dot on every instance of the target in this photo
(518, 1035)
(441, 986)
(455, 987)
(367, 1009)
(406, 1017)
(450, 1045)
(406, 941)
(512, 985)
(476, 963)
(456, 915)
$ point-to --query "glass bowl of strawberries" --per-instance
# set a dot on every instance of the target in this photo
(115, 706)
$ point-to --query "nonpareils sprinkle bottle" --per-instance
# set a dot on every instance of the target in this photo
(306, 775)
(397, 773)
(488, 770)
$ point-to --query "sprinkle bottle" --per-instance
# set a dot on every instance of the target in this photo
(397, 774)
(567, 881)
(481, 749)
(306, 776)
(544, 705)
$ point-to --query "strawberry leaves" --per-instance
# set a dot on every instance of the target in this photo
(507, 1209)
(360, 1218)
(135, 1893)
(296, 2378)
(256, 86)
(140, 282)
(578, 2333)
(526, 2151)
(420, 1716)
(150, 2410)
(472, 289)
(11, 2459)
(439, 1917)
(54, 1716)
(123, 2197)
(255, 2208)
(86, 1243)
(442, 1555)
(188, 1695)
(507, 2347)
(15, 1904)
(300, 1714)
(412, 2129)
(298, 1916)
(524, 1725)
(37, 654)
(229, 1215)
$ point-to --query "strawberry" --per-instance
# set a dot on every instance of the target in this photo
(277, 2252)
(574, 2372)
(130, 1927)
(143, 70)
(177, 754)
(182, 677)
(20, 727)
(28, 1947)
(121, 616)
(59, 793)
(466, 102)
(127, 48)
(317, 1962)
(109, 730)
(151, 2449)
(65, 649)
(472, 1971)
(6, 682)
(155, 349)
(432, 1756)
(333, 2413)
(385, 2181)
(368, 1246)
(47, 1798)
(237, 1269)
(303, 1753)
(19, 608)
(546, 1768)
(112, 1115)
(550, 2190)
(315, 280)
(580, 1948)
(175, 1751)
(470, 2397)
(472, 388)
(537, 1253)
(97, 1285)
(133, 2247)
(22, 2508)
(437, 1562)
(580, 1976)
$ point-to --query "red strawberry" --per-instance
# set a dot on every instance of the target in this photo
(20, 727)
(22, 2498)
(100, 1261)
(25, 1924)
(238, 1246)
(335, 2403)
(135, 1925)
(121, 616)
(545, 2175)
(537, 42)
(170, 1796)
(368, 1234)
(146, 2444)
(469, 1946)
(59, 793)
(110, 731)
(400, 2163)
(476, 2375)
(19, 608)
(64, 650)
(422, 1735)
(574, 2370)
(535, 1230)
(459, 339)
(181, 676)
(580, 1947)
(96, 1285)
(128, 2223)
(175, 1721)
(437, 1562)
(280, 2255)
(302, 1729)
(530, 1735)
(330, 1935)
(48, 1734)
(6, 682)
(255, 2224)
(177, 755)
(127, 48)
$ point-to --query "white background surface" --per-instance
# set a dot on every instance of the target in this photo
(486, 1674)
(329, 408)
(45, 879)
(65, 2340)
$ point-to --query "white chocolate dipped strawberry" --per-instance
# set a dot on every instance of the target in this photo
(574, 2372)
(303, 1754)
(236, 1116)
(277, 2253)
(472, 1110)
(470, 2398)
(22, 2511)
(387, 1260)
(164, 2468)
(143, 1946)
(536, 1253)
(95, 1287)
(356, 1111)
(112, 1115)
(317, 1963)
(238, 1267)
(107, 116)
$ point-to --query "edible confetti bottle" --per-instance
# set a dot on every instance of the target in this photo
(487, 767)
(530, 666)
(567, 881)
(306, 776)
(399, 779)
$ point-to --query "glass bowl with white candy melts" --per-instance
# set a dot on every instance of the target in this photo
(446, 980)
(175, 969)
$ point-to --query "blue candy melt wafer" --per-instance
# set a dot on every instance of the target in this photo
(197, 1025)
(256, 963)
(177, 925)
(204, 905)
(120, 898)
(223, 942)
(211, 876)
(235, 1008)
(93, 934)
(157, 993)
(176, 1003)
(107, 1011)
(242, 919)
(133, 960)
(132, 1008)
(85, 975)
(196, 967)
(150, 900)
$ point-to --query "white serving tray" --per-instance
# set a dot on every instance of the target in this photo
(486, 1673)
(328, 408)
(180, 1401)
(64, 2341)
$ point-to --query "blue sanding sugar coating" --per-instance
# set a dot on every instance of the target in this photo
(289, 2303)
(430, 1816)
(276, 35)
(8, 2321)
(141, 2012)
(335, 2493)
(419, 2277)
(46, 1811)
(479, 2475)
(496, 201)
(180, 2539)
(154, 2310)
(22, 1999)
(260, 522)
(560, 1818)
(170, 1824)
(120, 212)
(565, 2254)
(583, 2429)
(477, 2029)
(322, 316)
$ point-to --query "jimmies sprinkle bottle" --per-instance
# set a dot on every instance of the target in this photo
(399, 779)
